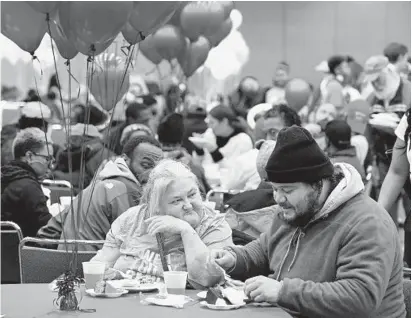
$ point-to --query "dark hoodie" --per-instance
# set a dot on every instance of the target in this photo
(347, 156)
(22, 199)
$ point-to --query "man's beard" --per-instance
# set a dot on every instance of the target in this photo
(302, 218)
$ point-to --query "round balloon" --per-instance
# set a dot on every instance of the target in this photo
(221, 34)
(23, 25)
(195, 56)
(169, 42)
(148, 49)
(44, 6)
(148, 16)
(175, 19)
(109, 82)
(297, 93)
(237, 18)
(65, 47)
(94, 25)
(131, 35)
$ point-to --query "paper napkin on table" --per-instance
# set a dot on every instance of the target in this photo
(176, 301)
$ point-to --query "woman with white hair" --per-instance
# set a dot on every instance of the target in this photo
(171, 205)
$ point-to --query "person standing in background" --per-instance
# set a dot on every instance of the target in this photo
(276, 94)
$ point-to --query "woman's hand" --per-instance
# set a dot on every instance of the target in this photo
(166, 223)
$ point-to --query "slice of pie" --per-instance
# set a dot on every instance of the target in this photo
(225, 296)
(106, 287)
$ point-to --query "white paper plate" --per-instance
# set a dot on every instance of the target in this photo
(202, 294)
(128, 285)
(91, 292)
(221, 307)
(199, 140)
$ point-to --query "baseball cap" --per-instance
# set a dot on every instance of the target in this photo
(339, 133)
(358, 115)
(374, 66)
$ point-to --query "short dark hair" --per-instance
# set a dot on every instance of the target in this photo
(289, 116)
(142, 103)
(394, 50)
(30, 139)
(28, 122)
(96, 116)
(133, 142)
(334, 62)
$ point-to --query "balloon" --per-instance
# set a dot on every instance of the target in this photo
(106, 85)
(65, 47)
(237, 18)
(169, 42)
(44, 6)
(297, 93)
(175, 19)
(222, 33)
(201, 18)
(147, 47)
(228, 6)
(92, 24)
(195, 56)
(131, 35)
(148, 16)
(21, 24)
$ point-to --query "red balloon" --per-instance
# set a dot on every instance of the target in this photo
(23, 25)
(221, 34)
(297, 93)
(44, 6)
(201, 18)
(148, 16)
(65, 47)
(93, 24)
(131, 35)
(109, 84)
(228, 6)
(148, 49)
(195, 55)
(169, 42)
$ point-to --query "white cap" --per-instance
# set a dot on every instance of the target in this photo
(322, 67)
(88, 130)
(36, 110)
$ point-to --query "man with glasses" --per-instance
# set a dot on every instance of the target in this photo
(22, 198)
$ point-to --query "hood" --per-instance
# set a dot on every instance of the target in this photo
(350, 186)
(116, 168)
(349, 152)
(16, 170)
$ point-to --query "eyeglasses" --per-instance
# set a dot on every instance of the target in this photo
(48, 158)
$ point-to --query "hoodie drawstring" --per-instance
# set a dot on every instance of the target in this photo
(287, 253)
(296, 250)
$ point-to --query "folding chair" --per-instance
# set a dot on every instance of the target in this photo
(58, 188)
(41, 265)
(11, 235)
(220, 197)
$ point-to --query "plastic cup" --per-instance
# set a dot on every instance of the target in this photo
(93, 273)
(175, 282)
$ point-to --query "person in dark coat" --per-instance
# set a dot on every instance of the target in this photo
(22, 198)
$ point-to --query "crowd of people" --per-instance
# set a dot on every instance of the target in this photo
(314, 225)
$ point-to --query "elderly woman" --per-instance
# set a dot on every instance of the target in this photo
(171, 205)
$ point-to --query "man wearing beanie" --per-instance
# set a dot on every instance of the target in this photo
(331, 251)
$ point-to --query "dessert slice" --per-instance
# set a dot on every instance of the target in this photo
(214, 296)
(106, 287)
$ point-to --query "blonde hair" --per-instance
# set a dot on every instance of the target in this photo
(165, 172)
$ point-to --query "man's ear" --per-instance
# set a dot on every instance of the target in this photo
(28, 155)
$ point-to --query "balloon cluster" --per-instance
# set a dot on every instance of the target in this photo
(88, 27)
(193, 30)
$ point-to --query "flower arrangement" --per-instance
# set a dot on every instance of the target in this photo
(66, 298)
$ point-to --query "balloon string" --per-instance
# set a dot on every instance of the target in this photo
(71, 76)
(35, 58)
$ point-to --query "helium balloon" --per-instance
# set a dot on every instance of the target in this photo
(65, 47)
(23, 25)
(201, 18)
(44, 6)
(148, 16)
(169, 42)
(237, 18)
(109, 82)
(297, 93)
(131, 35)
(221, 34)
(175, 19)
(195, 56)
(148, 49)
(94, 25)
(228, 6)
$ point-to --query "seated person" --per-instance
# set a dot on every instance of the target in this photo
(134, 130)
(331, 251)
(171, 205)
(339, 147)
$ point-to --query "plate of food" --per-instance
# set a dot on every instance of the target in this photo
(143, 283)
(219, 298)
(106, 289)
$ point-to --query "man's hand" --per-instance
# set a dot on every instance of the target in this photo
(224, 258)
(263, 289)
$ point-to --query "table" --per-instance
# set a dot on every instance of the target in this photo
(36, 301)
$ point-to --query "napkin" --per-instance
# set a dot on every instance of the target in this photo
(176, 301)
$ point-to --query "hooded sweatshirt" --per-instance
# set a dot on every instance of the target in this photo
(22, 198)
(347, 156)
(347, 262)
(116, 189)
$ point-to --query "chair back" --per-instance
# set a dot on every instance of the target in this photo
(42, 265)
(11, 235)
(58, 189)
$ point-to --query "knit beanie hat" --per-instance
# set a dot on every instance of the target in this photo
(171, 130)
(297, 158)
